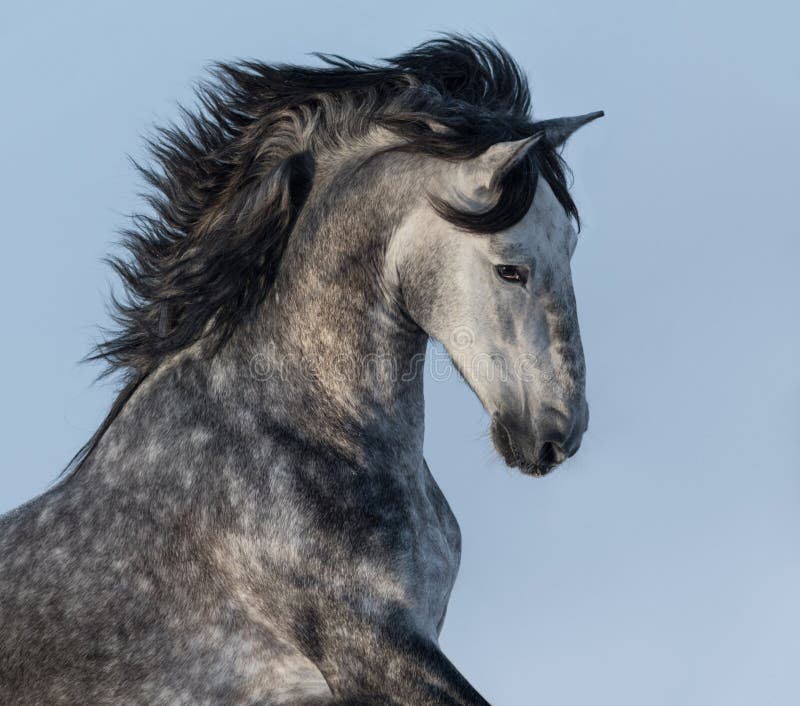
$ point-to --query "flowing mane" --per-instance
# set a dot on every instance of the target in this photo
(254, 521)
(228, 184)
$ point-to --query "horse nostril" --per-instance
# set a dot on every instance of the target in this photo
(564, 434)
(551, 454)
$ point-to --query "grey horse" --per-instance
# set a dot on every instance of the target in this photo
(254, 521)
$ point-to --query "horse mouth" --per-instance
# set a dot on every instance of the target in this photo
(503, 442)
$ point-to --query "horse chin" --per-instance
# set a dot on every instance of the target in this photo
(503, 442)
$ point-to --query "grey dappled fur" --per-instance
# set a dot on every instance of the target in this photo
(255, 522)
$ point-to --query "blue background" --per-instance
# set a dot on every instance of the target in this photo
(661, 565)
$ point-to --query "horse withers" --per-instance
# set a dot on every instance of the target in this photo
(254, 522)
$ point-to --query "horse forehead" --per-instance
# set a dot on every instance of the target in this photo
(546, 228)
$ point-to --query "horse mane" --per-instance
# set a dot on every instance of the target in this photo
(227, 184)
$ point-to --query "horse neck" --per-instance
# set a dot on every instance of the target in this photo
(332, 354)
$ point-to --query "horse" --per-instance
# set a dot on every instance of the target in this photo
(254, 522)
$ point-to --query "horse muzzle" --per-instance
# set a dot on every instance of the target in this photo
(556, 438)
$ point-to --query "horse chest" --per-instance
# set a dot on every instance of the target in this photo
(424, 563)
(433, 568)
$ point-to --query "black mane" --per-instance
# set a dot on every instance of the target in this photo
(227, 185)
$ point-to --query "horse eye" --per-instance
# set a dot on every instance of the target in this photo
(511, 273)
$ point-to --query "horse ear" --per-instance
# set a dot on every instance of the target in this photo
(271, 198)
(497, 161)
(558, 130)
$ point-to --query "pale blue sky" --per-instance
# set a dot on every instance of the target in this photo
(661, 565)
